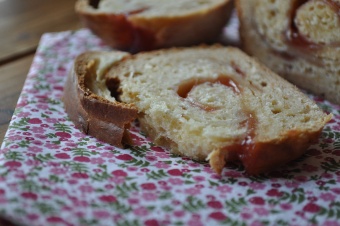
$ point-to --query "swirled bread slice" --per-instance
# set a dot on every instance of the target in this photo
(217, 103)
(136, 25)
(89, 103)
(298, 39)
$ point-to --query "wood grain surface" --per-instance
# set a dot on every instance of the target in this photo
(22, 22)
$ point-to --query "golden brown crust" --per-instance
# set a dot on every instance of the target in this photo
(135, 34)
(94, 115)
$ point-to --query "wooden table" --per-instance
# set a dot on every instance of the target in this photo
(22, 22)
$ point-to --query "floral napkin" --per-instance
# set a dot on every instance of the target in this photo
(52, 174)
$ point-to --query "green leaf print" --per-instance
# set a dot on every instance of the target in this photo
(44, 208)
(139, 151)
(21, 125)
(120, 208)
(84, 221)
(29, 185)
(81, 152)
(156, 175)
(124, 189)
(44, 157)
(235, 205)
(165, 195)
(331, 166)
(76, 166)
(193, 204)
(128, 223)
(14, 155)
(62, 127)
(101, 176)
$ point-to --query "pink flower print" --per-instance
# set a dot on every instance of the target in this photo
(175, 181)
(31, 162)
(215, 204)
(107, 154)
(63, 135)
(274, 193)
(101, 214)
(35, 149)
(162, 165)
(86, 188)
(224, 188)
(58, 170)
(292, 184)
(133, 201)
(34, 121)
(198, 178)
(24, 114)
(246, 216)
(218, 216)
(29, 195)
(336, 190)
(309, 168)
(175, 172)
(150, 158)
(151, 222)
(97, 161)
(117, 180)
(162, 155)
(301, 178)
(257, 200)
(179, 213)
(78, 134)
(261, 211)
(328, 197)
(59, 191)
(132, 168)
(82, 159)
(124, 157)
(32, 217)
(327, 175)
(286, 206)
(148, 186)
(62, 156)
(331, 223)
(119, 173)
(141, 211)
(192, 191)
(148, 196)
(311, 208)
(257, 186)
(12, 164)
(256, 223)
(42, 106)
(108, 186)
(37, 142)
(108, 198)
(15, 137)
(195, 222)
(52, 146)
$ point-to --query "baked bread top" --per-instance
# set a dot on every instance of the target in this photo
(151, 24)
(217, 103)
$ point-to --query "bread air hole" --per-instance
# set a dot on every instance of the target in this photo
(113, 85)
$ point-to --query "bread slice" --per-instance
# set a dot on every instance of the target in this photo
(89, 103)
(218, 104)
(150, 24)
(299, 40)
